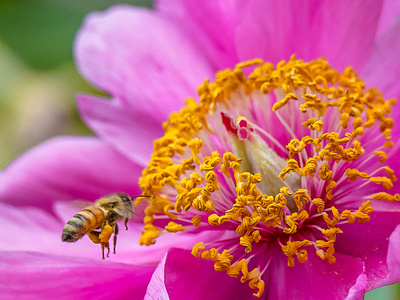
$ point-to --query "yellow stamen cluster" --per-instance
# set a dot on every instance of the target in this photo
(184, 175)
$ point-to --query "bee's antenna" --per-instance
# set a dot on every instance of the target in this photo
(140, 196)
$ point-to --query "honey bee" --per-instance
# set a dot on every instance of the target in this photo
(99, 221)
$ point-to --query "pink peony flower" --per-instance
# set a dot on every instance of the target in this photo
(149, 62)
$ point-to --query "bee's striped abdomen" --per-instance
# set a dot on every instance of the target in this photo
(88, 219)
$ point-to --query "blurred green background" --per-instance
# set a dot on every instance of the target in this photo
(38, 79)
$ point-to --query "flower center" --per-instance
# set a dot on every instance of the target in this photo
(270, 159)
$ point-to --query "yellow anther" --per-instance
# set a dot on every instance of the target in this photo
(174, 227)
(149, 235)
(292, 166)
(301, 196)
(357, 132)
(387, 133)
(313, 124)
(353, 174)
(386, 182)
(336, 217)
(203, 202)
(363, 211)
(346, 214)
(246, 242)
(325, 172)
(249, 275)
(295, 146)
(331, 233)
(170, 215)
(260, 286)
(388, 144)
(196, 248)
(302, 256)
(223, 261)
(319, 203)
(344, 118)
(281, 103)
(329, 252)
(212, 183)
(386, 196)
(303, 215)
(386, 123)
(196, 220)
(214, 219)
(208, 255)
(285, 190)
(195, 146)
(357, 122)
(291, 248)
(382, 156)
(291, 222)
(329, 189)
(390, 174)
(235, 269)
(256, 61)
(361, 214)
(227, 158)
(311, 166)
(210, 162)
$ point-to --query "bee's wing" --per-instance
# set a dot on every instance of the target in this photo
(126, 211)
(67, 209)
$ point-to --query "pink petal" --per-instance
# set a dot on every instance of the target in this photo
(369, 241)
(343, 32)
(129, 131)
(357, 291)
(210, 25)
(314, 279)
(141, 58)
(393, 260)
(67, 168)
(30, 275)
(389, 11)
(383, 67)
(156, 289)
(183, 276)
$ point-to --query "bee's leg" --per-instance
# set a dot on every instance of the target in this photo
(108, 249)
(102, 250)
(104, 237)
(126, 223)
(116, 230)
(94, 236)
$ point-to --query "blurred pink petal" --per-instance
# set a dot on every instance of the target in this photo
(67, 168)
(118, 126)
(383, 67)
(214, 34)
(29, 275)
(141, 58)
(337, 30)
(390, 9)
